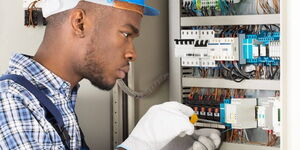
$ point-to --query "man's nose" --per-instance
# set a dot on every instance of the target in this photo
(131, 54)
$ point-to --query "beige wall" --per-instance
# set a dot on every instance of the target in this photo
(93, 106)
(153, 53)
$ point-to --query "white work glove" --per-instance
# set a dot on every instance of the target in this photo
(161, 124)
(202, 139)
(208, 139)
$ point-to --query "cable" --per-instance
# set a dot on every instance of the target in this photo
(31, 8)
(149, 91)
(226, 130)
(233, 74)
(243, 74)
(246, 135)
(275, 72)
(276, 6)
(257, 2)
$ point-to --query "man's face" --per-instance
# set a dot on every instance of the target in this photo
(110, 47)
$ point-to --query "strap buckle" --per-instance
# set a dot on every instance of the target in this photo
(65, 136)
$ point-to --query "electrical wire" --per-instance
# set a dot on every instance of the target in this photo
(246, 135)
(275, 73)
(30, 9)
(148, 92)
(239, 71)
(257, 4)
(234, 73)
(276, 6)
(226, 130)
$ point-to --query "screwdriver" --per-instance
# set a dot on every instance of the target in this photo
(194, 118)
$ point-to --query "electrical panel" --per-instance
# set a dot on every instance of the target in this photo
(229, 68)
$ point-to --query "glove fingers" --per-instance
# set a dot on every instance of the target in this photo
(187, 111)
(207, 143)
(216, 139)
(182, 134)
(198, 146)
(188, 128)
(191, 148)
(213, 134)
(207, 132)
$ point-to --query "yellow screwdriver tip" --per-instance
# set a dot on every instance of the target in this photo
(194, 118)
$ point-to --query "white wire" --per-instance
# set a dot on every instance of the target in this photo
(246, 135)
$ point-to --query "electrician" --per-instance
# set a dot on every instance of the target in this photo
(91, 39)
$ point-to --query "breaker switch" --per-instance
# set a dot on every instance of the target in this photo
(216, 114)
(209, 114)
(202, 113)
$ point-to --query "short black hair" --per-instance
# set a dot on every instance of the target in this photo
(58, 19)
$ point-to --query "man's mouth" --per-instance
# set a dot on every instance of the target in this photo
(122, 72)
(125, 69)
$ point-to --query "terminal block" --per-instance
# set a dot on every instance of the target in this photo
(262, 48)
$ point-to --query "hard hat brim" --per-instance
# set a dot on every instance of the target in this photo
(148, 10)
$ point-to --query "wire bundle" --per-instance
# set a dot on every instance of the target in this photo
(272, 138)
(266, 7)
(235, 73)
(227, 7)
(31, 8)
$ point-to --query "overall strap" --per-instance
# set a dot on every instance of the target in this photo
(53, 115)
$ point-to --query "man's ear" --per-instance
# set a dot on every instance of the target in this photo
(78, 22)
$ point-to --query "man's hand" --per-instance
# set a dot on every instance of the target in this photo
(207, 139)
(202, 139)
(161, 124)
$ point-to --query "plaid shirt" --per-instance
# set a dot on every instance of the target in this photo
(22, 119)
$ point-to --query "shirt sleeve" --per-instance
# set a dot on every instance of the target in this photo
(19, 130)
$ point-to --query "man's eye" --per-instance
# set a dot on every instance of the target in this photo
(126, 34)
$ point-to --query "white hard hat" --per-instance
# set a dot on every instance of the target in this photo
(50, 7)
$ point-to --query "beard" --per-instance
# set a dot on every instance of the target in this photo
(93, 71)
(100, 84)
(93, 68)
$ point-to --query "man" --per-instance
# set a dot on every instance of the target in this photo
(90, 39)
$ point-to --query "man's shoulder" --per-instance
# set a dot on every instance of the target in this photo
(16, 98)
(11, 90)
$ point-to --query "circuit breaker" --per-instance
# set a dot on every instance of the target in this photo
(225, 64)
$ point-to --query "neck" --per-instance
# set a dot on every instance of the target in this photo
(57, 58)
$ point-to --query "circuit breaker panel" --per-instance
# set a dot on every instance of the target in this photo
(228, 68)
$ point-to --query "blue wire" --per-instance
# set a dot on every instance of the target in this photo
(222, 7)
(225, 8)
(225, 3)
(226, 130)
(194, 8)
